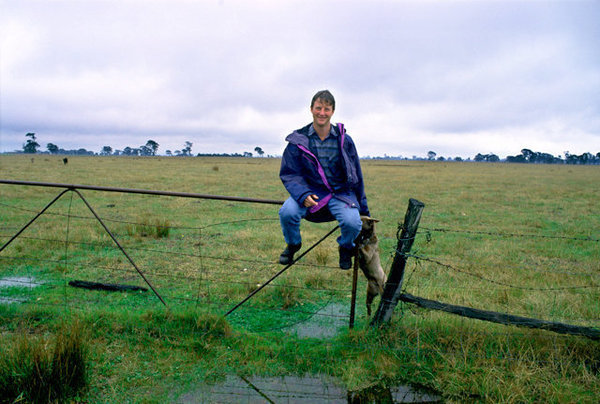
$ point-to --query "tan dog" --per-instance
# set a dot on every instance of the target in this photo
(368, 259)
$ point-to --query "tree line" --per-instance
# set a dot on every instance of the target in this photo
(31, 146)
(151, 148)
(530, 156)
(526, 156)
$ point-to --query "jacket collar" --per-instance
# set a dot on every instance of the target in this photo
(300, 136)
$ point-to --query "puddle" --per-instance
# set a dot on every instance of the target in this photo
(325, 323)
(291, 389)
(18, 281)
(9, 300)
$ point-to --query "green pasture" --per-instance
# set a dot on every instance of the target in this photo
(513, 238)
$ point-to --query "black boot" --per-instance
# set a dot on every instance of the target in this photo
(287, 256)
(346, 258)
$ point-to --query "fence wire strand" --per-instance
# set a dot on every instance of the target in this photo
(425, 230)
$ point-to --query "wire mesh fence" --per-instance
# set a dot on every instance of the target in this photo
(211, 254)
(211, 266)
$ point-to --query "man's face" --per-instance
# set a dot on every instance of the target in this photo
(321, 113)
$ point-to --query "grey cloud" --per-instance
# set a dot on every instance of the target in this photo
(243, 73)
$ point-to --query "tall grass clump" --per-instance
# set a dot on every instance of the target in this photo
(186, 321)
(40, 370)
(149, 228)
(322, 255)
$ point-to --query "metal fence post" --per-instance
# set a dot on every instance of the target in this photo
(393, 286)
(354, 284)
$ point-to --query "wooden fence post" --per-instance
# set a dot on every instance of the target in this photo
(393, 286)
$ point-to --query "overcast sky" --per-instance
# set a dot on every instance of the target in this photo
(455, 77)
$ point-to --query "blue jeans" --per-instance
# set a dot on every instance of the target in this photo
(348, 217)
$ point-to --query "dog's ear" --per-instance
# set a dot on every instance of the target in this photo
(369, 218)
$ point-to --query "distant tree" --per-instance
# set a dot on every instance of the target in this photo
(187, 150)
(127, 151)
(431, 155)
(516, 159)
(31, 146)
(152, 145)
(247, 154)
(145, 151)
(259, 151)
(458, 158)
(586, 158)
(106, 151)
(479, 157)
(52, 148)
(528, 155)
(572, 159)
(546, 158)
(169, 153)
(492, 158)
(441, 158)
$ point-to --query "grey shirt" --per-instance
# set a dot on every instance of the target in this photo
(328, 153)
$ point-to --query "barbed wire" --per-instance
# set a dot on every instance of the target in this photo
(536, 270)
(420, 231)
(137, 223)
(170, 274)
(481, 277)
(500, 234)
(141, 249)
(168, 252)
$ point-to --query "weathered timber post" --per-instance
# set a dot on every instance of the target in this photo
(393, 286)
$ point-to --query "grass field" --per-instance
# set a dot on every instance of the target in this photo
(519, 239)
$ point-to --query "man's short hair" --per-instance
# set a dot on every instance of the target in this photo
(325, 97)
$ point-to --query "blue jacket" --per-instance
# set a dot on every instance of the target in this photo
(302, 174)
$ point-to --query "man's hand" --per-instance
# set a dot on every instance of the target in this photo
(310, 201)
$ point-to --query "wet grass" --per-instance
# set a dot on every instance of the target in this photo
(38, 369)
(485, 221)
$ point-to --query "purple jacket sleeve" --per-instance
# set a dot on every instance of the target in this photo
(291, 175)
(359, 187)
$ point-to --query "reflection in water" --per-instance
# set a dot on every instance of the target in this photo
(291, 389)
(326, 323)
(392, 395)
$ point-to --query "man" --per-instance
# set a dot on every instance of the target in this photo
(321, 171)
